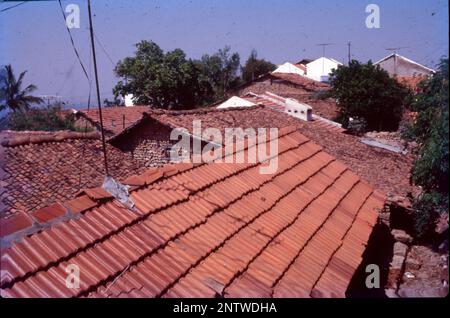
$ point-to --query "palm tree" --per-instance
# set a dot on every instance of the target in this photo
(11, 93)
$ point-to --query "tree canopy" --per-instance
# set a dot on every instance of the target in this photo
(367, 92)
(431, 130)
(255, 67)
(170, 80)
(12, 95)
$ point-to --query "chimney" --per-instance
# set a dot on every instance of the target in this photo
(298, 110)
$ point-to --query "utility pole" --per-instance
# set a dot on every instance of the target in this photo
(349, 52)
(98, 89)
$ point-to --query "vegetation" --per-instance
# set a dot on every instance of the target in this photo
(219, 73)
(431, 131)
(368, 95)
(255, 67)
(49, 118)
(170, 80)
(12, 96)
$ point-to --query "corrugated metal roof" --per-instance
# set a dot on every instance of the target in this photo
(205, 230)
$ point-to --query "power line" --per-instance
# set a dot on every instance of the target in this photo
(14, 6)
(104, 50)
(349, 52)
(73, 44)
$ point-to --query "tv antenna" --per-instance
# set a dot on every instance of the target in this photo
(395, 50)
(323, 45)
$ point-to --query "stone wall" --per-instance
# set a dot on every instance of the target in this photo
(147, 143)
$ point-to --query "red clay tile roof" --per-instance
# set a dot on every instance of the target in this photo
(221, 118)
(328, 107)
(207, 230)
(411, 81)
(301, 66)
(303, 81)
(115, 119)
(294, 86)
(41, 168)
(384, 169)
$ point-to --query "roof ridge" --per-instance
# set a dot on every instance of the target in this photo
(59, 136)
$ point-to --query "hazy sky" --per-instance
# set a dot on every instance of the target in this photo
(33, 35)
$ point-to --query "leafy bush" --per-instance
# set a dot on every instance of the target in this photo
(431, 130)
(49, 118)
(367, 93)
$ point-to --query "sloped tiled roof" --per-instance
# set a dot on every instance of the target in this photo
(294, 86)
(278, 103)
(41, 168)
(115, 119)
(303, 81)
(384, 170)
(245, 117)
(204, 230)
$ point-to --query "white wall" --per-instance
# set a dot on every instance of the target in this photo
(320, 69)
(235, 102)
(289, 68)
(297, 109)
(129, 100)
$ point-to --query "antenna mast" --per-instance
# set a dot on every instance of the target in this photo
(323, 45)
(98, 89)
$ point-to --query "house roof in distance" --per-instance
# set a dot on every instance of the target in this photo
(235, 101)
(115, 119)
(290, 68)
(40, 168)
(425, 68)
(320, 59)
(384, 169)
(202, 231)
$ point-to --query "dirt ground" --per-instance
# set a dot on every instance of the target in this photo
(426, 273)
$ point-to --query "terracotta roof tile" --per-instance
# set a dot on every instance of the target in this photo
(232, 232)
(14, 224)
(115, 119)
(38, 175)
(49, 213)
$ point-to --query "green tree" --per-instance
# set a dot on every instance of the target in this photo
(431, 130)
(170, 80)
(255, 67)
(165, 80)
(220, 71)
(367, 92)
(12, 95)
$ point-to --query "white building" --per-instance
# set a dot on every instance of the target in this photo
(397, 65)
(235, 102)
(320, 69)
(291, 69)
(128, 100)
